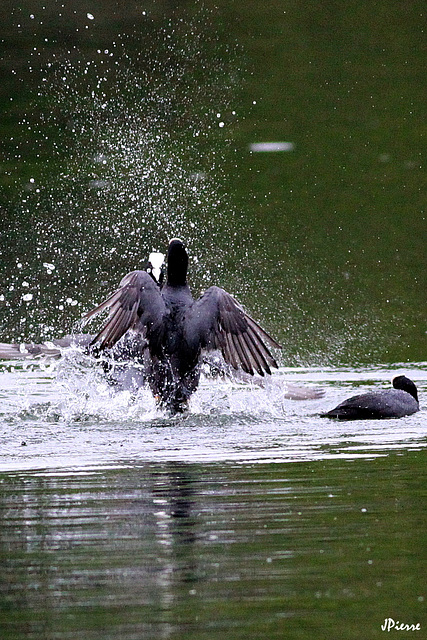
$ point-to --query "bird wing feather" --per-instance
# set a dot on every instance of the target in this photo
(137, 304)
(217, 321)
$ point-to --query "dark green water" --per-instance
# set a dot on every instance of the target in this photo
(298, 550)
(112, 144)
(251, 517)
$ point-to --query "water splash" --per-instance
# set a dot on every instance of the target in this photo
(63, 415)
(137, 156)
(138, 140)
(77, 391)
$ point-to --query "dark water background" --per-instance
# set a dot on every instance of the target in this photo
(111, 144)
(121, 127)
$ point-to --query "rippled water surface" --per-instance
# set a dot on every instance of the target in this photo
(248, 517)
(63, 414)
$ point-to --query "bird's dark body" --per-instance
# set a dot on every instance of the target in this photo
(165, 330)
(173, 369)
(384, 403)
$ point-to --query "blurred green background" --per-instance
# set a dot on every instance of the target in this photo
(122, 126)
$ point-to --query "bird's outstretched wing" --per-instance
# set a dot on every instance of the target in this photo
(137, 304)
(217, 321)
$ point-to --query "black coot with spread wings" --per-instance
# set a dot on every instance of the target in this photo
(400, 401)
(173, 329)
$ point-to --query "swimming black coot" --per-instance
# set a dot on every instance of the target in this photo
(170, 330)
(400, 401)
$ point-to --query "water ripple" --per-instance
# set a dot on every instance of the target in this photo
(66, 416)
